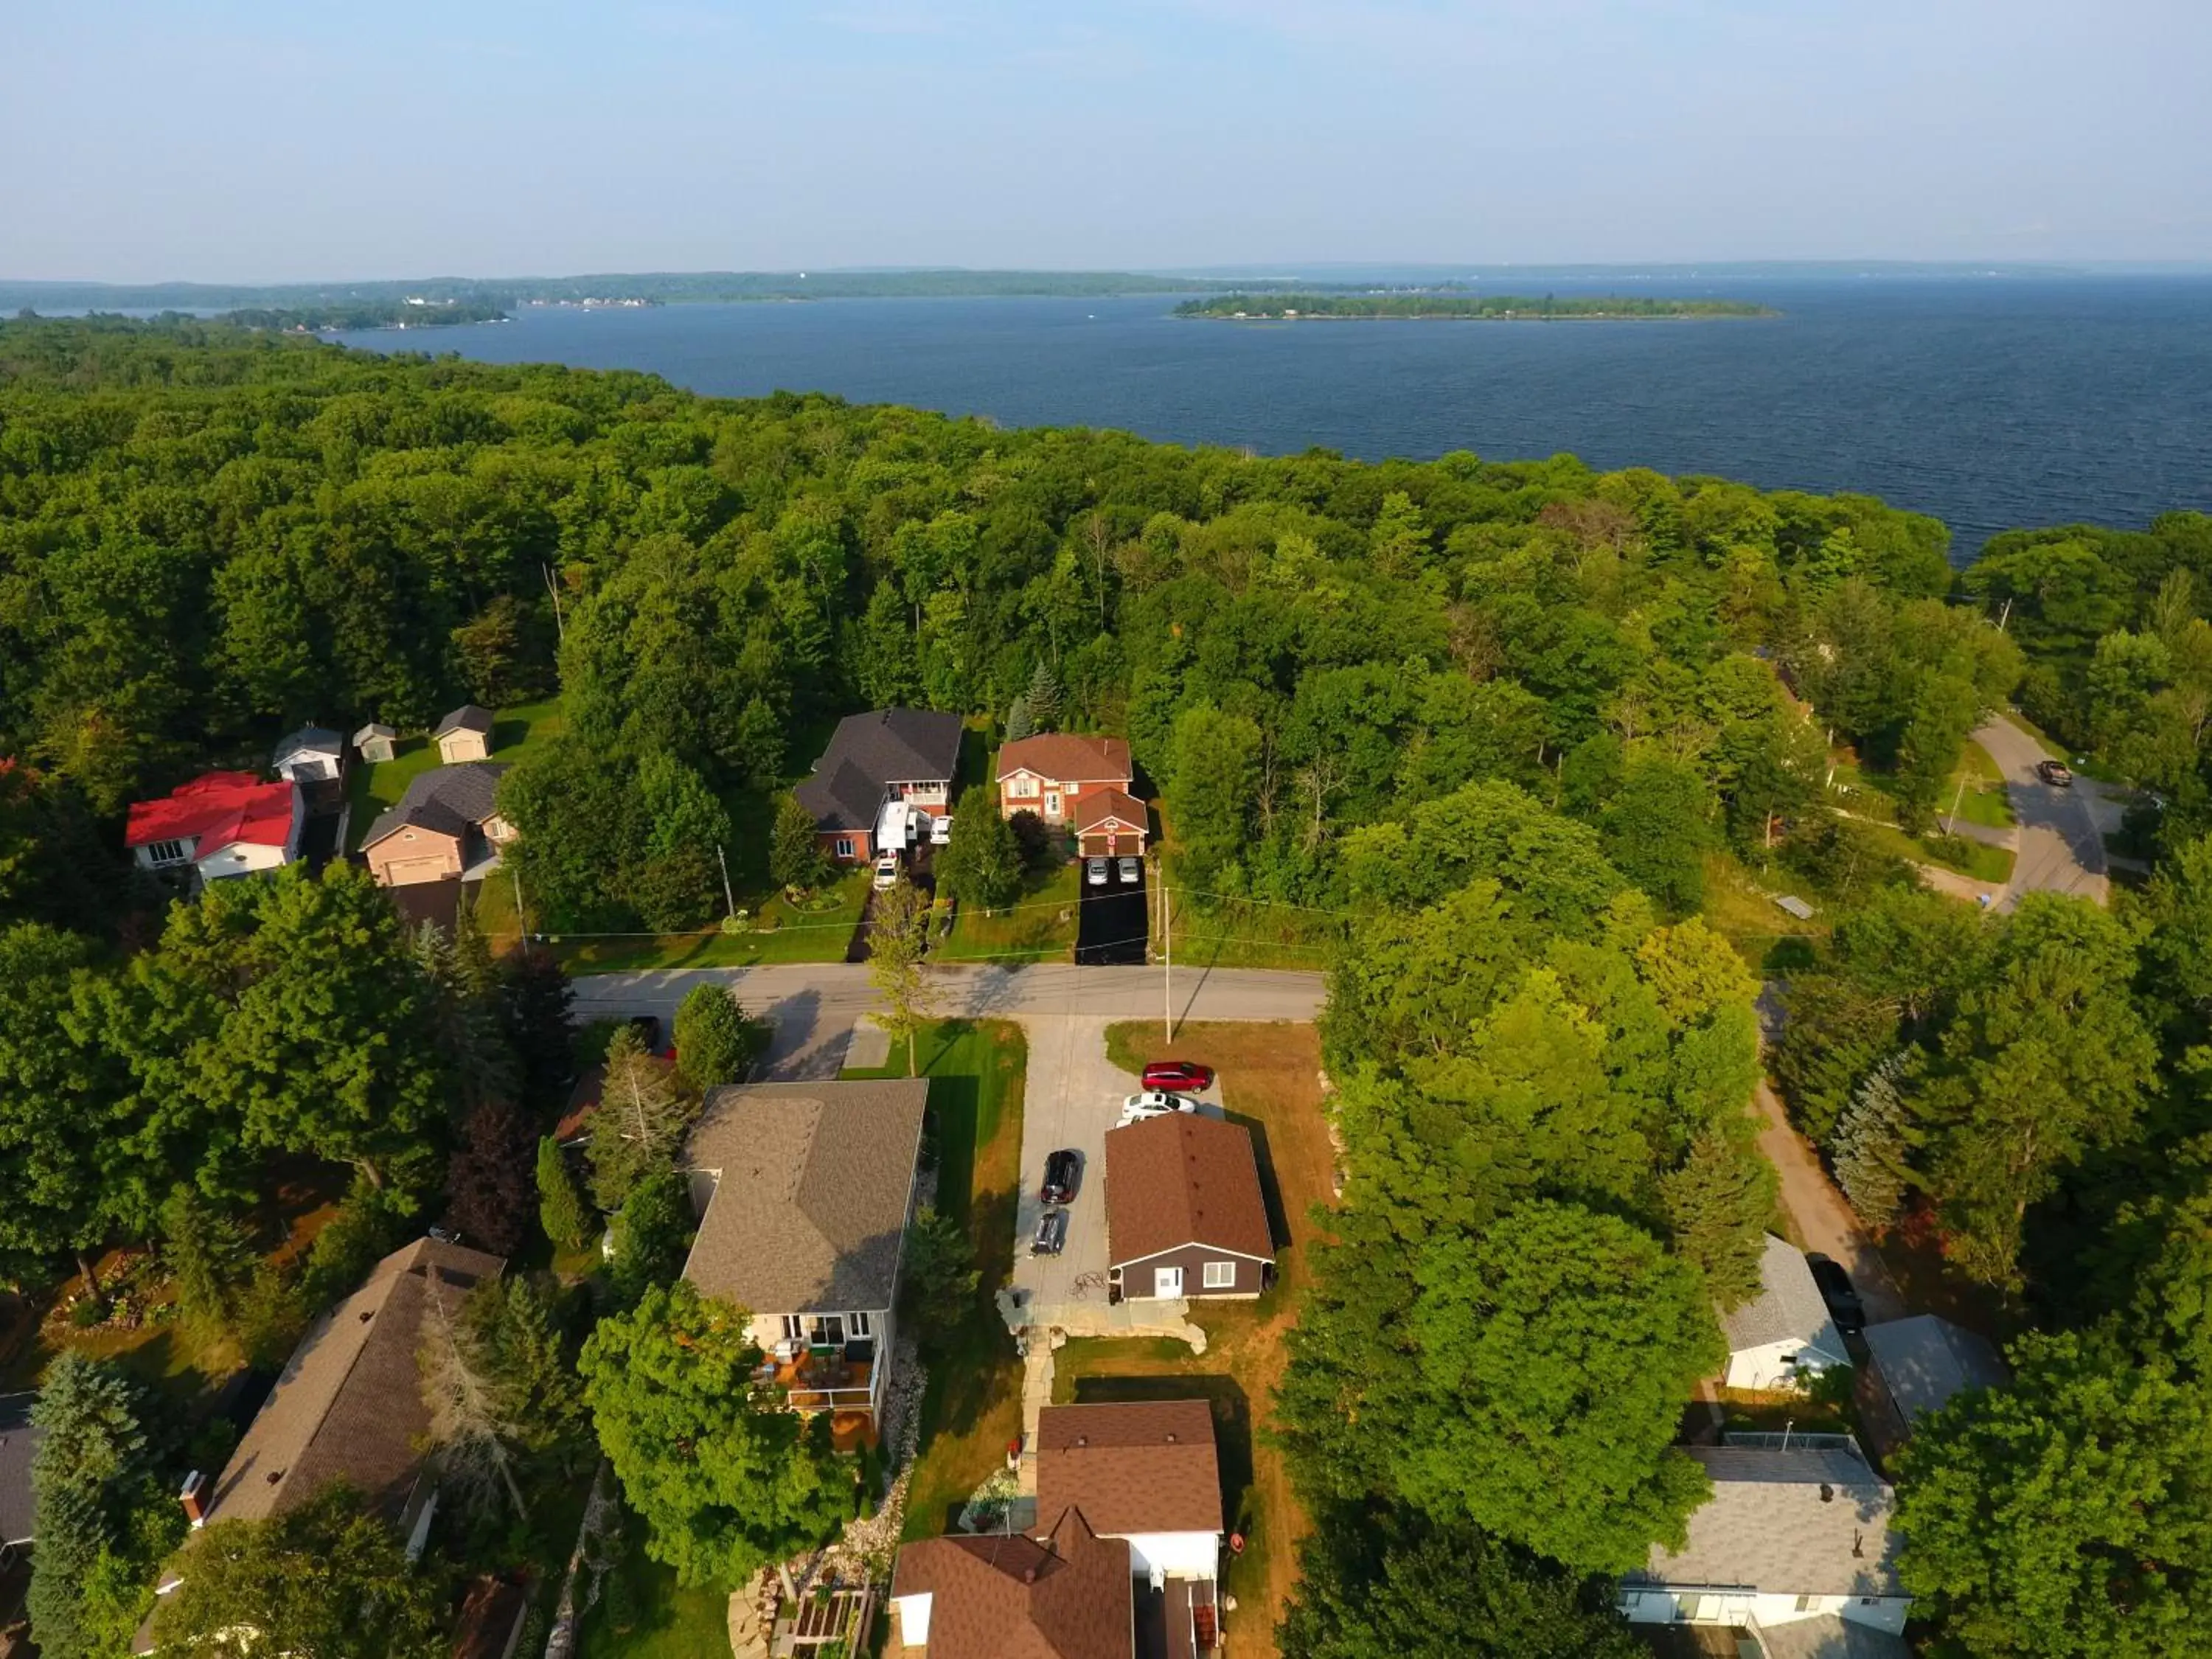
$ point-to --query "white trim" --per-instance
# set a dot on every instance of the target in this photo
(1209, 1281)
(1195, 1244)
(1167, 1284)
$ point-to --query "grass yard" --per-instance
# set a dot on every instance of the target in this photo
(1040, 927)
(644, 1613)
(1235, 933)
(1740, 906)
(1984, 800)
(818, 934)
(1271, 1082)
(370, 789)
(1968, 858)
(973, 1406)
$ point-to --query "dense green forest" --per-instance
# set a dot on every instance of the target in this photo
(1458, 302)
(1504, 719)
(374, 314)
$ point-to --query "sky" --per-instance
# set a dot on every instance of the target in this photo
(300, 140)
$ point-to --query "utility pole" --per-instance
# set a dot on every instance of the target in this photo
(1951, 825)
(560, 627)
(521, 922)
(2005, 616)
(1167, 958)
(729, 904)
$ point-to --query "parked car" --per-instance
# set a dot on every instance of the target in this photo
(887, 871)
(1154, 1102)
(1051, 1233)
(940, 830)
(1836, 1289)
(1094, 873)
(1178, 1075)
(1131, 874)
(1062, 1169)
(2057, 774)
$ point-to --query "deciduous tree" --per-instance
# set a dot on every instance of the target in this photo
(715, 1042)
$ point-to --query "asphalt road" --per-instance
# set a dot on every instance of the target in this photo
(2060, 847)
(813, 1005)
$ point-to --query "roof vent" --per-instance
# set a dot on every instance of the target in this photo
(1028, 1575)
(1827, 1494)
(367, 1315)
(1082, 1439)
(275, 1475)
(1171, 1439)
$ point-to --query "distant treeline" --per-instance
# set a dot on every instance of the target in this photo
(417, 312)
(1452, 302)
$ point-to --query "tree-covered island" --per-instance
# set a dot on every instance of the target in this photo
(1455, 304)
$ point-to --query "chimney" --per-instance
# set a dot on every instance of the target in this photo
(193, 1496)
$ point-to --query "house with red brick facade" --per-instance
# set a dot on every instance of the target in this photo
(903, 760)
(1079, 784)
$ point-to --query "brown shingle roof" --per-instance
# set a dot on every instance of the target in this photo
(1182, 1179)
(1011, 1597)
(811, 1195)
(349, 1404)
(1147, 1466)
(1094, 809)
(1066, 758)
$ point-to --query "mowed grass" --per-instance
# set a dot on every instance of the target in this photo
(1238, 934)
(1271, 1082)
(1978, 789)
(1968, 858)
(1039, 927)
(371, 789)
(973, 1405)
(1740, 906)
(813, 934)
(651, 1616)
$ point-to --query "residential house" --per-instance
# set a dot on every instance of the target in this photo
(444, 828)
(1145, 1471)
(221, 824)
(1920, 1363)
(375, 742)
(1185, 1215)
(879, 768)
(1068, 1595)
(464, 735)
(1784, 1335)
(314, 753)
(1077, 783)
(804, 1192)
(1796, 1533)
(349, 1404)
(19, 1444)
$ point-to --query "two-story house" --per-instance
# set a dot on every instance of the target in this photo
(1080, 784)
(803, 1192)
(904, 759)
(221, 824)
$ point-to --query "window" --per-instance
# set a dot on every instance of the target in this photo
(829, 1330)
(1074, 789)
(1804, 1604)
(1220, 1275)
(844, 847)
(1023, 787)
(169, 852)
(860, 1323)
(794, 1328)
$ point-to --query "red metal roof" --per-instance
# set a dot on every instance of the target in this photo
(218, 809)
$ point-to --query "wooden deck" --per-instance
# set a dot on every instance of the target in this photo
(838, 1389)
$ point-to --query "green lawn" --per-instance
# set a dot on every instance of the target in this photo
(1968, 858)
(810, 935)
(1985, 800)
(1234, 934)
(1040, 925)
(1739, 908)
(973, 1406)
(370, 789)
(648, 1615)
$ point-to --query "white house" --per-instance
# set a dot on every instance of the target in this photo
(310, 754)
(1795, 1541)
(221, 824)
(1784, 1335)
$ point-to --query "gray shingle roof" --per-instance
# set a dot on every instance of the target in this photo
(446, 798)
(812, 1182)
(310, 739)
(1768, 1526)
(867, 751)
(1787, 1308)
(469, 717)
(1925, 1360)
(1831, 1637)
(19, 1443)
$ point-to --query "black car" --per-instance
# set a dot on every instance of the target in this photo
(2055, 773)
(1836, 1290)
(1062, 1169)
(1051, 1233)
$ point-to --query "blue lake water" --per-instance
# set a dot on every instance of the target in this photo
(1987, 402)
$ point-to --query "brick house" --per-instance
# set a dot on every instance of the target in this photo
(887, 758)
(446, 825)
(1080, 784)
(1185, 1215)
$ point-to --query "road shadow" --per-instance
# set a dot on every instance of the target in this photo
(800, 1047)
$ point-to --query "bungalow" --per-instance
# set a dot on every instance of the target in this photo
(375, 742)
(1144, 1471)
(1069, 1595)
(1185, 1216)
(1920, 1363)
(349, 1404)
(221, 824)
(1794, 1545)
(314, 753)
(1784, 1335)
(1076, 783)
(464, 735)
(19, 1444)
(886, 759)
(442, 828)
(804, 1192)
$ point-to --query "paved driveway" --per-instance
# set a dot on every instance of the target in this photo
(1112, 921)
(2061, 831)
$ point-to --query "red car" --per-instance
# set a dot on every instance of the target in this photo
(1178, 1075)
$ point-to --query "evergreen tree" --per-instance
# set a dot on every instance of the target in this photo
(1719, 1204)
(93, 1471)
(1020, 723)
(1871, 1148)
(210, 1255)
(981, 865)
(536, 1000)
(488, 1185)
(640, 1122)
(561, 1208)
(1044, 698)
(795, 862)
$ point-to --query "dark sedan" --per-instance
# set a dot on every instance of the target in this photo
(1063, 1169)
(1836, 1290)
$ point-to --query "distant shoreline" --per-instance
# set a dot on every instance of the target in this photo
(1458, 307)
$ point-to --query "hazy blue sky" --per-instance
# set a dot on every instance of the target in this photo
(276, 139)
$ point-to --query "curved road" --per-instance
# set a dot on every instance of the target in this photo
(814, 1005)
(2059, 839)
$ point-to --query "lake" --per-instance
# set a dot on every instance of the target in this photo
(1987, 402)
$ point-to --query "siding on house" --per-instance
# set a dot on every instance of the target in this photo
(1138, 1283)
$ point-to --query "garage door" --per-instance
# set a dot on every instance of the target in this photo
(406, 873)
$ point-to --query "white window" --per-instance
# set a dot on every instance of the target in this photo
(794, 1328)
(1022, 786)
(1073, 790)
(860, 1323)
(169, 852)
(844, 847)
(1220, 1275)
(829, 1330)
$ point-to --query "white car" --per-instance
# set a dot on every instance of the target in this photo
(1154, 1102)
(887, 871)
(1094, 873)
(940, 831)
